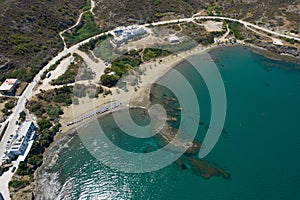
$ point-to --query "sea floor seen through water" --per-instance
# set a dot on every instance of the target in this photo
(259, 147)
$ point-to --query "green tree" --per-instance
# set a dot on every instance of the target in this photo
(44, 124)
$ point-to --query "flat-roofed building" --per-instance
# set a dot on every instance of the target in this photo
(24, 135)
(9, 86)
(174, 39)
(18, 147)
(124, 34)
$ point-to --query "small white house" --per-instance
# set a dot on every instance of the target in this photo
(174, 39)
(9, 86)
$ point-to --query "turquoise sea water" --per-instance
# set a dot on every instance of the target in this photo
(260, 148)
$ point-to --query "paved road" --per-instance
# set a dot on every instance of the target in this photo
(222, 18)
(28, 93)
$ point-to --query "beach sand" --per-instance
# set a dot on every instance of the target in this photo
(134, 96)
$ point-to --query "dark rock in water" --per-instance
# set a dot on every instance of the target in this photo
(189, 160)
(183, 167)
(268, 84)
(204, 168)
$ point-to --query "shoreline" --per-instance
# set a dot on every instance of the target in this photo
(168, 63)
(68, 133)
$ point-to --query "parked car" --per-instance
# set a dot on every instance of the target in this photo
(48, 75)
(13, 169)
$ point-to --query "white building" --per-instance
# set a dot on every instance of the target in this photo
(174, 39)
(24, 135)
(9, 86)
(123, 34)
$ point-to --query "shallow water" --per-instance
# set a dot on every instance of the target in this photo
(260, 147)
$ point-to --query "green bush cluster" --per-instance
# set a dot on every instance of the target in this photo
(22, 116)
(71, 73)
(10, 104)
(87, 6)
(18, 184)
(48, 110)
(92, 43)
(235, 28)
(61, 96)
(54, 66)
(151, 53)
(24, 74)
(86, 28)
(213, 8)
(119, 67)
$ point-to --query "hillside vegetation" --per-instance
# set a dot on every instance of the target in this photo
(29, 33)
(272, 14)
(29, 28)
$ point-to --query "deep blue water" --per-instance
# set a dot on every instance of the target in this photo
(260, 148)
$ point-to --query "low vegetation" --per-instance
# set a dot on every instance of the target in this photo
(54, 66)
(89, 46)
(10, 104)
(24, 74)
(22, 116)
(87, 6)
(70, 75)
(119, 67)
(129, 61)
(47, 108)
(150, 53)
(213, 10)
(105, 51)
(92, 91)
(28, 36)
(86, 28)
(235, 28)
(18, 184)
(199, 34)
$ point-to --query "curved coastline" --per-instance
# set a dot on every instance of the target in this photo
(50, 156)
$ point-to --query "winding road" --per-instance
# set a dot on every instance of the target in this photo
(77, 22)
(28, 93)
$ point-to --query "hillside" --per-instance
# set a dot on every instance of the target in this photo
(275, 14)
(29, 33)
(29, 28)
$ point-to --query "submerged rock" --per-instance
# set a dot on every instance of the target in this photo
(202, 168)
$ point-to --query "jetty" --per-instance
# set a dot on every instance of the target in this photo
(101, 110)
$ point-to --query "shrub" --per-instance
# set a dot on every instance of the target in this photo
(18, 184)
(44, 124)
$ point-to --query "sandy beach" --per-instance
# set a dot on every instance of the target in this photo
(134, 96)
